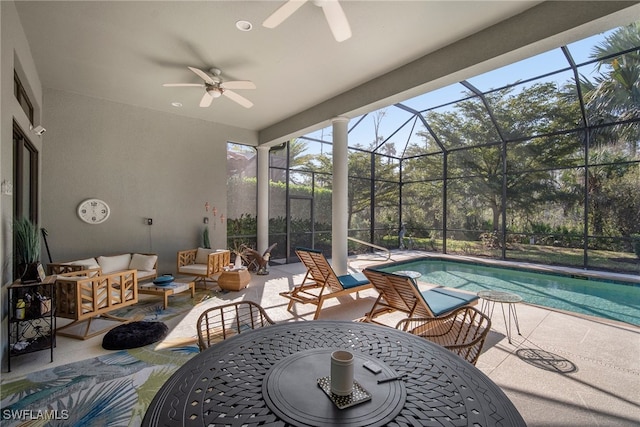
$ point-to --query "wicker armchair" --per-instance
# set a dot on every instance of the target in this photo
(224, 321)
(462, 331)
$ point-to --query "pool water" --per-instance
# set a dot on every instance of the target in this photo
(606, 299)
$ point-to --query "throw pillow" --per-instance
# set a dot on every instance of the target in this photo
(202, 256)
(143, 262)
(109, 264)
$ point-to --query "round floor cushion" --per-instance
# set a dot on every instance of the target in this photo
(134, 334)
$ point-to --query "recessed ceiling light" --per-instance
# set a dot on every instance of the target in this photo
(244, 25)
(177, 104)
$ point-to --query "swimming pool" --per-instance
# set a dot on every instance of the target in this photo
(606, 299)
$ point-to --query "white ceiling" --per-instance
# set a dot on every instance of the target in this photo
(124, 51)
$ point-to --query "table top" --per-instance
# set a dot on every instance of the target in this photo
(500, 296)
(247, 380)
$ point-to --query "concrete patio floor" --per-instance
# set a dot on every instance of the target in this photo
(563, 370)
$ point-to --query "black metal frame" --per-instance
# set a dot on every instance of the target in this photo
(584, 130)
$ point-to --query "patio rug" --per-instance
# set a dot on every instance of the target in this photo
(110, 390)
(113, 389)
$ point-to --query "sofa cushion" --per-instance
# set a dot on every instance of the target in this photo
(86, 263)
(143, 262)
(110, 264)
(196, 269)
(146, 275)
(442, 301)
(202, 255)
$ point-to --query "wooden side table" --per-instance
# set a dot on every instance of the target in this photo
(234, 280)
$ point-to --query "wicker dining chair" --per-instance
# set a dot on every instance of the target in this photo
(462, 331)
(224, 321)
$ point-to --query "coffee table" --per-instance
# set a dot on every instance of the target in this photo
(171, 288)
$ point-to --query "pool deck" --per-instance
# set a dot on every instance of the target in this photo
(563, 370)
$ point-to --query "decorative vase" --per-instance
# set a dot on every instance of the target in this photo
(238, 262)
(29, 272)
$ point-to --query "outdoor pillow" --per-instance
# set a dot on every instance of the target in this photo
(143, 262)
(109, 264)
(443, 302)
(353, 280)
(202, 256)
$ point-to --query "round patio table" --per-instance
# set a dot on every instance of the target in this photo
(271, 376)
(490, 298)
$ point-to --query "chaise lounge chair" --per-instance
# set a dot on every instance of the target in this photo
(401, 293)
(321, 282)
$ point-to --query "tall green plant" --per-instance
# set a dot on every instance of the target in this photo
(27, 241)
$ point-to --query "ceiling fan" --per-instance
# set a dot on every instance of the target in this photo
(332, 11)
(216, 87)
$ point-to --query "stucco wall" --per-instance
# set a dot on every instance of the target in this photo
(15, 54)
(144, 164)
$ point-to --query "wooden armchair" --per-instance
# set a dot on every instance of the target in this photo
(204, 264)
(87, 295)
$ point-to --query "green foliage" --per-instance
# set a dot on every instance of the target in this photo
(635, 242)
(247, 224)
(27, 241)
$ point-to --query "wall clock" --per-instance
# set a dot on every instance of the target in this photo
(93, 211)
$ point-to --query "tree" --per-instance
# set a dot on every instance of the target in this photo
(478, 169)
(614, 95)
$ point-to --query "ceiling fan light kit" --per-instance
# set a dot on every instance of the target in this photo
(215, 87)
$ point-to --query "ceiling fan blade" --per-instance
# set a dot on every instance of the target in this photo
(183, 85)
(337, 19)
(238, 98)
(204, 76)
(239, 84)
(282, 13)
(206, 100)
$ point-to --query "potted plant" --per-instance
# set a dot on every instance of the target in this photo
(27, 249)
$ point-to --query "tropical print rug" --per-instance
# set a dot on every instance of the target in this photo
(110, 390)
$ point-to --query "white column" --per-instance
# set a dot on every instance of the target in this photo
(263, 199)
(339, 226)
